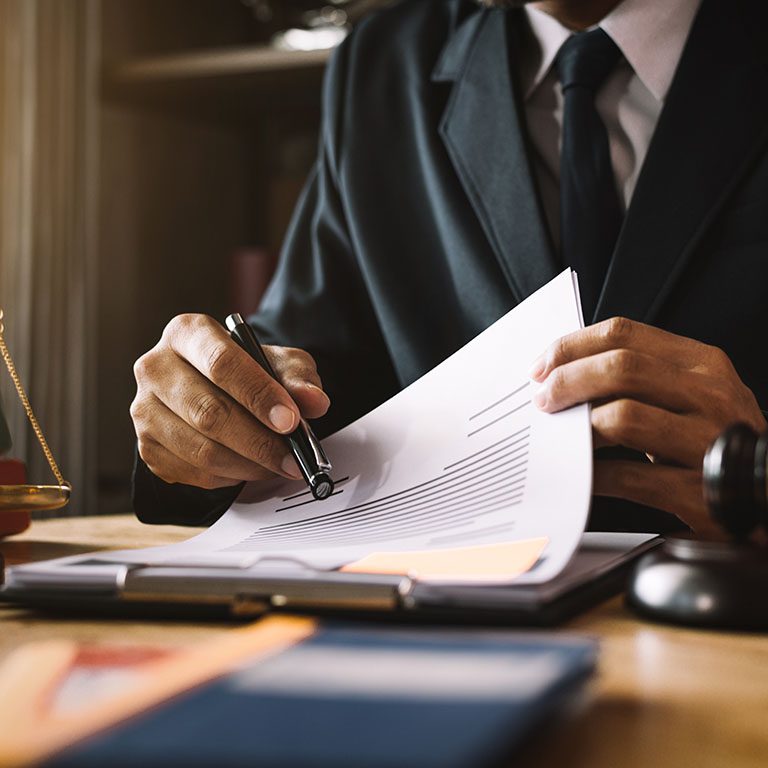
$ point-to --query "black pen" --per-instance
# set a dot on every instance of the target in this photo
(306, 448)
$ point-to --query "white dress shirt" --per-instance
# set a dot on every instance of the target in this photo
(651, 35)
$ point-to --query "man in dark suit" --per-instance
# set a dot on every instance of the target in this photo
(468, 154)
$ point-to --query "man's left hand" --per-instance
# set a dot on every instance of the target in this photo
(655, 392)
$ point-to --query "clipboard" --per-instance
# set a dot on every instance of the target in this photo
(92, 585)
(477, 515)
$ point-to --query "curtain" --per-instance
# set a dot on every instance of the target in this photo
(48, 211)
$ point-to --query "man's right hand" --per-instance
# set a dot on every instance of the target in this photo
(207, 414)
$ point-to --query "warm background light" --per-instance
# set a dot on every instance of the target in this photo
(150, 157)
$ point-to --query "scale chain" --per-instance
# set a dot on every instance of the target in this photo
(28, 408)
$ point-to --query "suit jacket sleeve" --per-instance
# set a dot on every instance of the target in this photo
(318, 301)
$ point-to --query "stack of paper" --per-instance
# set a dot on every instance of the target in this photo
(459, 478)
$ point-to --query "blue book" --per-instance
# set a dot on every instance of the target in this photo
(354, 696)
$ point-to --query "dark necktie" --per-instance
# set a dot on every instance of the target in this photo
(590, 213)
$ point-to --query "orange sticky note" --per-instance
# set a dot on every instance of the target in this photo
(488, 562)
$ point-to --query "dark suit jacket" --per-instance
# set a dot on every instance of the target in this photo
(421, 223)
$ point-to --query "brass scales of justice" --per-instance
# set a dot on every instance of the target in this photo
(31, 498)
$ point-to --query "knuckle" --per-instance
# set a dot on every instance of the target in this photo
(218, 361)
(149, 451)
(258, 395)
(621, 364)
(276, 355)
(187, 322)
(297, 361)
(144, 448)
(719, 359)
(262, 449)
(201, 322)
(138, 410)
(208, 413)
(616, 420)
(143, 368)
(179, 324)
(618, 330)
(556, 381)
(557, 351)
(300, 357)
(625, 415)
(204, 453)
(150, 455)
(186, 329)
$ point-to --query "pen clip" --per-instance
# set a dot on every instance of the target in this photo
(321, 460)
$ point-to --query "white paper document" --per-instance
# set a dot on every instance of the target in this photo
(461, 457)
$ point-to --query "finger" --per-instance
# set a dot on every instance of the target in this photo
(672, 437)
(671, 489)
(171, 469)
(298, 373)
(293, 365)
(214, 415)
(163, 426)
(620, 373)
(206, 345)
(312, 401)
(620, 333)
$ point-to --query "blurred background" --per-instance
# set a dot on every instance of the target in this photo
(151, 154)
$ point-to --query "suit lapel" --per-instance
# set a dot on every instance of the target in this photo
(714, 121)
(482, 131)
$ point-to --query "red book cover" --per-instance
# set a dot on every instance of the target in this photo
(12, 472)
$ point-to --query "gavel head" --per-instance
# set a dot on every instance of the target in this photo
(735, 480)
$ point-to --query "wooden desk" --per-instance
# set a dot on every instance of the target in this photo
(664, 697)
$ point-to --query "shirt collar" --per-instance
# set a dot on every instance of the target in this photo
(651, 35)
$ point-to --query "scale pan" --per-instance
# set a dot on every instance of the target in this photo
(32, 498)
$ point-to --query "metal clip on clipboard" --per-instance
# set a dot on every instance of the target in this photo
(597, 571)
(226, 590)
(248, 596)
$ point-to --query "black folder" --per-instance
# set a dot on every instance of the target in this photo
(88, 585)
